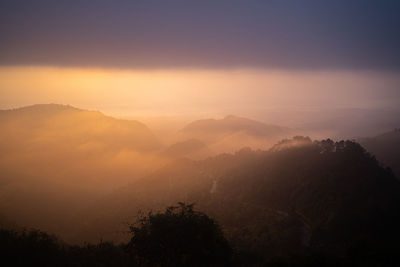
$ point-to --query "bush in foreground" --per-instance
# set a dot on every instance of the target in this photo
(180, 236)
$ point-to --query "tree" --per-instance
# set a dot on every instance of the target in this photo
(180, 236)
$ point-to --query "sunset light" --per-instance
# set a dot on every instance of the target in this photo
(199, 133)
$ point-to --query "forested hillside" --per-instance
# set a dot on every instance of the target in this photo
(300, 195)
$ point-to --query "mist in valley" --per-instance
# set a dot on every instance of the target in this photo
(61, 165)
(209, 133)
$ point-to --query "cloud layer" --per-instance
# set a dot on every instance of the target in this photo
(207, 34)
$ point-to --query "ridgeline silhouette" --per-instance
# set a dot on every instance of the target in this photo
(299, 203)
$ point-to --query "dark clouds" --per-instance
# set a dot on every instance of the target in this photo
(311, 34)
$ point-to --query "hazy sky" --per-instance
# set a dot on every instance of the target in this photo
(349, 34)
(173, 92)
(200, 56)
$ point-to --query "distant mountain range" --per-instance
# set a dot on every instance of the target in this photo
(349, 123)
(232, 133)
(81, 174)
(65, 124)
(231, 124)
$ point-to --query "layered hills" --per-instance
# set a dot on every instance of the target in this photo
(300, 194)
(83, 175)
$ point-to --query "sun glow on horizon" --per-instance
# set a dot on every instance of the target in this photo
(190, 91)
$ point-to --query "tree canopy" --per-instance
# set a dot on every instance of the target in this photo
(179, 236)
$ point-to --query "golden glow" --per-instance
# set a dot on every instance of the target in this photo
(81, 156)
(189, 91)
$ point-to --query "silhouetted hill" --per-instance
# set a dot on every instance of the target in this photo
(231, 124)
(386, 147)
(66, 124)
(55, 159)
(192, 148)
(232, 133)
(297, 196)
(347, 123)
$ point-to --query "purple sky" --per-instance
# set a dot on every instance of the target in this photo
(348, 34)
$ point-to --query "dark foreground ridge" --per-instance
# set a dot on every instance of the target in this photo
(302, 203)
(179, 236)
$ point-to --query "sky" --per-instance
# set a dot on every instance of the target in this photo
(349, 34)
(180, 56)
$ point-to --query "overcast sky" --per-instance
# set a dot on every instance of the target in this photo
(312, 34)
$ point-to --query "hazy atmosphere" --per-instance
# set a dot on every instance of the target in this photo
(200, 133)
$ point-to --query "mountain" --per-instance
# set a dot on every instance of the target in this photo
(386, 147)
(53, 140)
(232, 133)
(298, 195)
(346, 123)
(83, 176)
(55, 159)
(231, 124)
(49, 124)
(192, 148)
